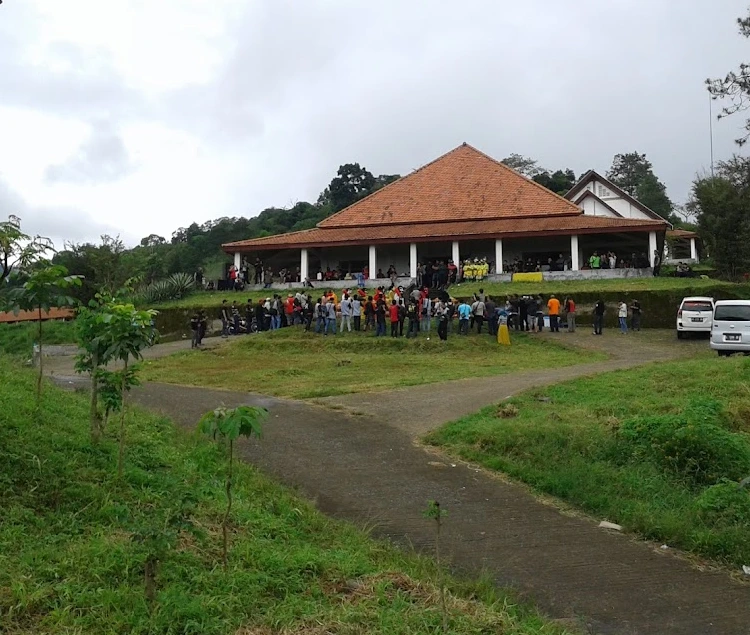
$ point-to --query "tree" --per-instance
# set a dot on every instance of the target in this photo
(558, 182)
(721, 206)
(735, 87)
(634, 173)
(128, 332)
(436, 513)
(526, 166)
(229, 425)
(352, 183)
(17, 249)
(43, 288)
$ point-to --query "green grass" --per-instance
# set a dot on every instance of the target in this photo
(18, 339)
(569, 441)
(572, 287)
(70, 561)
(292, 363)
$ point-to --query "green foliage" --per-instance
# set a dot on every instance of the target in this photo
(571, 446)
(230, 424)
(433, 511)
(721, 204)
(735, 86)
(75, 542)
(111, 384)
(725, 503)
(18, 250)
(558, 181)
(634, 173)
(175, 287)
(699, 451)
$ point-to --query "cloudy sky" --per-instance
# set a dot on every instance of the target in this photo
(140, 116)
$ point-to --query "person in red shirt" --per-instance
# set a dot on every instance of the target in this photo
(289, 310)
(393, 310)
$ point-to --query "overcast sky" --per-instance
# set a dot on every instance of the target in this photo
(141, 116)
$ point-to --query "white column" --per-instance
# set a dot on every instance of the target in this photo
(237, 260)
(413, 260)
(693, 250)
(498, 256)
(303, 274)
(575, 263)
(651, 247)
(373, 265)
(456, 253)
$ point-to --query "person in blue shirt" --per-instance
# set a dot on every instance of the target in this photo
(464, 313)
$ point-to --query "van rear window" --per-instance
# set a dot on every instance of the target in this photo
(692, 305)
(733, 313)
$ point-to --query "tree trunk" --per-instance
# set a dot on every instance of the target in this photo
(229, 505)
(121, 453)
(149, 575)
(96, 427)
(41, 367)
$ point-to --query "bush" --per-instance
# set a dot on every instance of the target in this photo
(695, 449)
(176, 287)
(725, 503)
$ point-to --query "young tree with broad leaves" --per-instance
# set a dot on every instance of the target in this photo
(17, 249)
(43, 288)
(228, 425)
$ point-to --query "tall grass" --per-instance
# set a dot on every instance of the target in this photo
(73, 557)
(605, 444)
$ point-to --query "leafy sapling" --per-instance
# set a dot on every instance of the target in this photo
(228, 425)
(436, 513)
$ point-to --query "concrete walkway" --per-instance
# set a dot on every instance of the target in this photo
(368, 469)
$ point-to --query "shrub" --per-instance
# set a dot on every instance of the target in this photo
(697, 450)
(176, 287)
(725, 503)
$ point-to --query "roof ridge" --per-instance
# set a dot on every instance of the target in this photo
(399, 180)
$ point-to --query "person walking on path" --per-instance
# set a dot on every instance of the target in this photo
(635, 312)
(570, 313)
(553, 306)
(346, 313)
(599, 309)
(330, 317)
(224, 316)
(412, 312)
(426, 313)
(380, 310)
(319, 314)
(236, 317)
(202, 327)
(539, 313)
(464, 313)
(369, 313)
(393, 314)
(622, 315)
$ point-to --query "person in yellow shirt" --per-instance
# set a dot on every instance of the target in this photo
(553, 306)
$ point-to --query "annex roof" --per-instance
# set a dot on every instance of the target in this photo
(593, 175)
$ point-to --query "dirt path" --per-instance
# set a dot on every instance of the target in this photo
(368, 469)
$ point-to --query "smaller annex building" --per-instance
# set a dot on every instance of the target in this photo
(466, 205)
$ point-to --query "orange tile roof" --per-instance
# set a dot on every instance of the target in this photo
(464, 184)
(426, 232)
(32, 316)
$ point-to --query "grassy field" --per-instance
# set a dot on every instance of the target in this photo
(466, 289)
(74, 542)
(18, 339)
(292, 363)
(658, 449)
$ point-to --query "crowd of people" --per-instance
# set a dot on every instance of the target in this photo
(434, 274)
(408, 315)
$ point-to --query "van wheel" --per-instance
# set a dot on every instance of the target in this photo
(680, 335)
(723, 353)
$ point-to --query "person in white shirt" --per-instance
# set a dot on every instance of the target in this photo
(346, 313)
(622, 314)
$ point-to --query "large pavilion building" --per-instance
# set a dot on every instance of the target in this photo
(462, 205)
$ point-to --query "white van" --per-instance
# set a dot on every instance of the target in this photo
(694, 316)
(731, 327)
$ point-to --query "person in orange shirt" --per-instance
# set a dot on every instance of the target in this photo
(553, 306)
